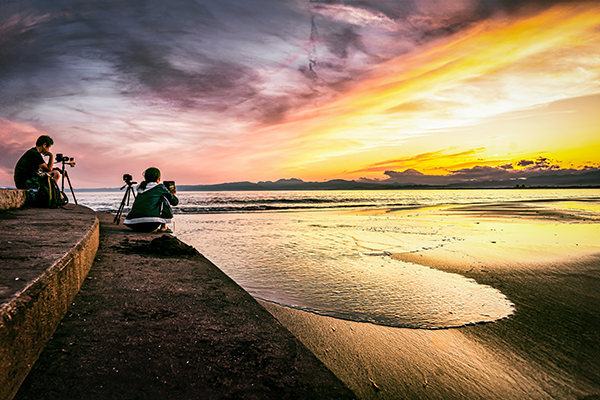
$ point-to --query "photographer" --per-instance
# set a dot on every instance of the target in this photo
(151, 209)
(32, 164)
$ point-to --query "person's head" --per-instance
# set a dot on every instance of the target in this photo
(150, 175)
(44, 141)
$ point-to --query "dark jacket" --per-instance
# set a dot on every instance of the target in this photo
(27, 167)
(152, 205)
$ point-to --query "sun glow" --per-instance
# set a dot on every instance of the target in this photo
(492, 70)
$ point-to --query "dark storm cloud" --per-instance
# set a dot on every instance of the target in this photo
(20, 57)
(532, 168)
(421, 21)
(339, 43)
(475, 174)
(525, 163)
(481, 8)
(183, 52)
(218, 84)
(480, 172)
(160, 54)
(162, 51)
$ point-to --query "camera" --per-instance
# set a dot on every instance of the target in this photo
(127, 178)
(60, 158)
(65, 159)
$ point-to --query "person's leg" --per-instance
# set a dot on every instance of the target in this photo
(164, 229)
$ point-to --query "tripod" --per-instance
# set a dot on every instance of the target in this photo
(63, 172)
(126, 198)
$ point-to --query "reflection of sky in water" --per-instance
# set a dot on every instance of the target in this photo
(338, 265)
(337, 261)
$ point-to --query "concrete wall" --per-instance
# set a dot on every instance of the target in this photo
(30, 318)
(12, 198)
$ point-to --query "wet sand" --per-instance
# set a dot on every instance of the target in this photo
(545, 257)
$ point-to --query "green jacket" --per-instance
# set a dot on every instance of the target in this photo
(152, 205)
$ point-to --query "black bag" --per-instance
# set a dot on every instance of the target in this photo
(47, 194)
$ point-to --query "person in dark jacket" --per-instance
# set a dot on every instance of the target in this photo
(32, 164)
(151, 209)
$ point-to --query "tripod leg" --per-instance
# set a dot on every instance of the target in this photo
(62, 186)
(71, 187)
(121, 207)
(126, 198)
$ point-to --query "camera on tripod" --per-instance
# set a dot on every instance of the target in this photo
(65, 159)
(128, 179)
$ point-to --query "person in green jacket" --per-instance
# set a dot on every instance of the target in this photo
(151, 209)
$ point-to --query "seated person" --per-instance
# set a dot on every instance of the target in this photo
(151, 209)
(32, 164)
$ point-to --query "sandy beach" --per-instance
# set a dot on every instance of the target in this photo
(545, 257)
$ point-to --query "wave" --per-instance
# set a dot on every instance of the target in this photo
(248, 202)
(248, 207)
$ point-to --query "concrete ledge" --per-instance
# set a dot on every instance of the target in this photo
(45, 256)
(12, 198)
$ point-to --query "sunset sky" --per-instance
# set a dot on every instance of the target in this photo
(255, 90)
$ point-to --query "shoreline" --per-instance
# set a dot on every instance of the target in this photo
(547, 263)
(190, 188)
(514, 358)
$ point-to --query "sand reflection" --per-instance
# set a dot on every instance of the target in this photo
(546, 262)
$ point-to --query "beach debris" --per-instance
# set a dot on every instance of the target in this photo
(375, 387)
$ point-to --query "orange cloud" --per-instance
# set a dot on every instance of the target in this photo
(436, 157)
(494, 68)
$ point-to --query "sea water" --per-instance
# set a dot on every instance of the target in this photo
(321, 252)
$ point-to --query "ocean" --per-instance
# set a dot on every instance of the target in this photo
(329, 252)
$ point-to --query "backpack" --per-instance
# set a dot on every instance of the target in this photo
(47, 194)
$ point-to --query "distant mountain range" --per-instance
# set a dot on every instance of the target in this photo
(585, 179)
(291, 184)
(411, 179)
